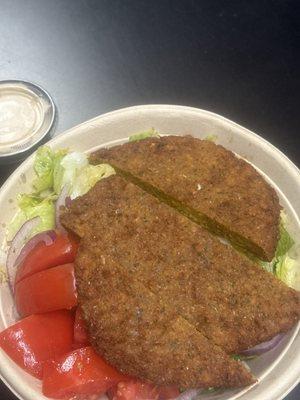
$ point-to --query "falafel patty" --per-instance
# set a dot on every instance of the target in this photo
(207, 183)
(230, 301)
(136, 332)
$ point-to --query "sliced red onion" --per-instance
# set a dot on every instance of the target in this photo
(60, 202)
(17, 243)
(47, 237)
(188, 394)
(263, 347)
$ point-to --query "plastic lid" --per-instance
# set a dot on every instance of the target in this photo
(26, 116)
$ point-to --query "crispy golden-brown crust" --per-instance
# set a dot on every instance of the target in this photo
(135, 330)
(208, 180)
(230, 300)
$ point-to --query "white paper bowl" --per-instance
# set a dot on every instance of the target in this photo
(278, 371)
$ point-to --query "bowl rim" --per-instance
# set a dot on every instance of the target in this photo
(268, 147)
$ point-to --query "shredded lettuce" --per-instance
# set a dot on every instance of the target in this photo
(67, 169)
(31, 206)
(285, 270)
(88, 177)
(143, 135)
(211, 138)
(268, 266)
(74, 170)
(285, 242)
(283, 266)
(44, 164)
(54, 170)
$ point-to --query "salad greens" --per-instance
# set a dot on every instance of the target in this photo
(211, 138)
(45, 163)
(66, 171)
(285, 241)
(54, 170)
(75, 171)
(282, 265)
(286, 269)
(143, 135)
(30, 206)
(88, 178)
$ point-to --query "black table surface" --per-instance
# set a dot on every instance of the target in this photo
(237, 58)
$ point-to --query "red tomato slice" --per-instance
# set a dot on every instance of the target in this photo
(38, 338)
(168, 392)
(80, 331)
(81, 372)
(133, 390)
(49, 290)
(62, 251)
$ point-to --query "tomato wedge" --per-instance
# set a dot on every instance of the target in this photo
(80, 331)
(62, 251)
(133, 390)
(81, 372)
(38, 338)
(49, 290)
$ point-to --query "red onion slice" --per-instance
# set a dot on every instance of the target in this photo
(17, 243)
(263, 347)
(47, 237)
(60, 202)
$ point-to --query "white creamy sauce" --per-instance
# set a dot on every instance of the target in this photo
(21, 115)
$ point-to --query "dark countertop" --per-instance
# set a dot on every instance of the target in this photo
(237, 58)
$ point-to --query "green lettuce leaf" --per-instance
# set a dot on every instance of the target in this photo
(74, 171)
(31, 206)
(45, 161)
(88, 177)
(143, 135)
(283, 266)
(285, 270)
(211, 138)
(285, 242)
(66, 169)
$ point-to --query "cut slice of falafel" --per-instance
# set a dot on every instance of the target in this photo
(207, 183)
(136, 332)
(230, 300)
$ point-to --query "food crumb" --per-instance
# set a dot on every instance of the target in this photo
(211, 138)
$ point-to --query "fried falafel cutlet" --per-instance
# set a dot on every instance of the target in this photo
(204, 290)
(207, 183)
(134, 330)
